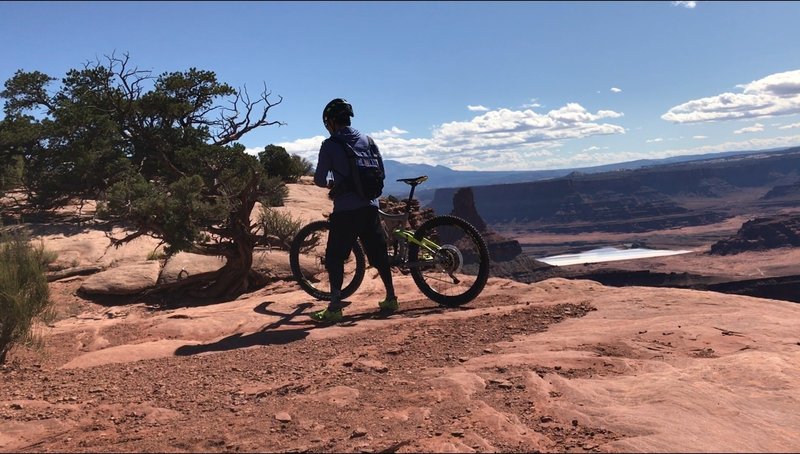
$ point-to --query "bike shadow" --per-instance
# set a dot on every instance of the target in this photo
(270, 334)
(349, 319)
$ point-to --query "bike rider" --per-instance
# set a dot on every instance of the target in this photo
(353, 216)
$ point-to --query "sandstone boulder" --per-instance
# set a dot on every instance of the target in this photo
(183, 264)
(123, 280)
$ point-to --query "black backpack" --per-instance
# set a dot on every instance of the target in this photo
(366, 170)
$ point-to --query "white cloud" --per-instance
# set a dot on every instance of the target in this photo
(386, 133)
(585, 159)
(793, 125)
(616, 90)
(594, 148)
(699, 137)
(751, 144)
(501, 138)
(542, 155)
(658, 139)
(689, 5)
(758, 127)
(774, 95)
(532, 105)
(785, 84)
(509, 127)
(307, 148)
(592, 159)
(478, 108)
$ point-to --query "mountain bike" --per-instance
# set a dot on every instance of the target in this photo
(446, 256)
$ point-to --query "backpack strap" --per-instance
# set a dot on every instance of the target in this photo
(347, 149)
(374, 149)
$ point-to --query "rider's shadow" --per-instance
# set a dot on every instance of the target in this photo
(267, 335)
(270, 334)
(284, 319)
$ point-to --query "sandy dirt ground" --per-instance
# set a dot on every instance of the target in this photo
(558, 365)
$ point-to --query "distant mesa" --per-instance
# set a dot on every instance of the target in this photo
(788, 190)
(762, 234)
(661, 197)
(579, 204)
(464, 207)
(501, 249)
(508, 260)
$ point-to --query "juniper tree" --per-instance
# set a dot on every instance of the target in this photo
(160, 154)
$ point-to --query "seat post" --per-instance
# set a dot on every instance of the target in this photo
(410, 198)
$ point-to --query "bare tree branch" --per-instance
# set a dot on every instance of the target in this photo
(117, 242)
(233, 127)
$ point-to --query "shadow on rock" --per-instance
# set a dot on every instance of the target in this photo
(270, 334)
(243, 341)
(267, 335)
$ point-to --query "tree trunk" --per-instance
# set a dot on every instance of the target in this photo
(234, 278)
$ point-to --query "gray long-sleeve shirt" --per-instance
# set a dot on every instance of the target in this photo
(333, 158)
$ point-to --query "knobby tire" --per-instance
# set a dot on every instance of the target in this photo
(481, 276)
(305, 282)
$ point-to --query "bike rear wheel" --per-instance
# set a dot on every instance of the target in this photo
(456, 271)
(307, 261)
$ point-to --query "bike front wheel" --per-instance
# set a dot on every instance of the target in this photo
(450, 265)
(307, 261)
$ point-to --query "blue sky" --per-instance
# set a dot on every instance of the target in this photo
(469, 85)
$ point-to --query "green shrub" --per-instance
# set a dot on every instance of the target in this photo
(24, 295)
(11, 173)
(301, 167)
(156, 254)
(278, 163)
(278, 227)
(274, 192)
(48, 256)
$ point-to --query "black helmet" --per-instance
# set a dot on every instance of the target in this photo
(336, 109)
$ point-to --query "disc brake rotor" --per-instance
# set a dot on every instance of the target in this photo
(449, 258)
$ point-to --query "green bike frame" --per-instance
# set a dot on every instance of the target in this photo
(408, 235)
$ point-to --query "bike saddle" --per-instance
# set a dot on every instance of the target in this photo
(414, 181)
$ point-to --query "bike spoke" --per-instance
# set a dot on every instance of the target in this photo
(457, 269)
(308, 263)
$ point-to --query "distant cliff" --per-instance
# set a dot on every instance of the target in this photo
(760, 234)
(569, 202)
(444, 177)
(506, 257)
(782, 191)
(629, 200)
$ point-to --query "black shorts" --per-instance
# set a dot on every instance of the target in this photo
(362, 223)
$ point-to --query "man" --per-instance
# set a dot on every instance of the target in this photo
(353, 216)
